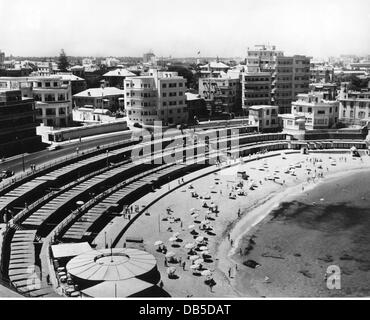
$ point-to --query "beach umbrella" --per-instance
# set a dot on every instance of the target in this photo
(206, 273)
(170, 254)
(176, 234)
(172, 239)
(195, 215)
(158, 243)
(192, 210)
(171, 270)
(191, 226)
(199, 261)
(189, 245)
(199, 239)
(203, 248)
(205, 253)
(194, 266)
(193, 258)
(80, 203)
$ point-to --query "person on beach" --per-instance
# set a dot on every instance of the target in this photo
(183, 265)
(229, 272)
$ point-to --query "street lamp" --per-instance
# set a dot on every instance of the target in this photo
(107, 152)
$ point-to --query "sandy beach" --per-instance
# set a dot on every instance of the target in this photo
(271, 182)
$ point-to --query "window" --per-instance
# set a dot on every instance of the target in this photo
(164, 85)
(47, 84)
(50, 112)
(164, 94)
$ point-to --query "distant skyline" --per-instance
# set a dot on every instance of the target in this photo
(225, 28)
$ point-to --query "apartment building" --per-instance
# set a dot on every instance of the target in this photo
(114, 78)
(354, 106)
(265, 117)
(107, 98)
(53, 101)
(222, 92)
(263, 57)
(290, 76)
(213, 69)
(17, 123)
(318, 112)
(256, 89)
(158, 96)
(321, 73)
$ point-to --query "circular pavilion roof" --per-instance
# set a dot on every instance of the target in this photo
(111, 264)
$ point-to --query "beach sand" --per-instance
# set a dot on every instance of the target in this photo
(232, 278)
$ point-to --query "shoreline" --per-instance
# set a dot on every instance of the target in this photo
(256, 205)
(260, 213)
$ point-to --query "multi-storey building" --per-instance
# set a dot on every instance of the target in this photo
(265, 117)
(53, 101)
(17, 123)
(256, 89)
(213, 69)
(318, 112)
(321, 73)
(354, 108)
(263, 58)
(222, 91)
(114, 78)
(158, 96)
(290, 76)
(109, 98)
(329, 90)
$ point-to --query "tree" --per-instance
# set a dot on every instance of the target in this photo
(63, 63)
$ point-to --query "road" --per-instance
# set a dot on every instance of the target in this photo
(67, 149)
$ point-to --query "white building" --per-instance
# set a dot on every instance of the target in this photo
(265, 117)
(316, 112)
(53, 101)
(158, 96)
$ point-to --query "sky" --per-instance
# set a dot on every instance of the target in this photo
(181, 28)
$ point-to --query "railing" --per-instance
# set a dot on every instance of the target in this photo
(81, 210)
(59, 161)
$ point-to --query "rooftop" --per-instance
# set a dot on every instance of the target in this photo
(261, 107)
(100, 92)
(119, 73)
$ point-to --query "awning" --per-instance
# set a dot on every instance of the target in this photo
(119, 289)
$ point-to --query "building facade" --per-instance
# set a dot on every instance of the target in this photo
(114, 78)
(256, 89)
(158, 96)
(318, 112)
(265, 117)
(222, 93)
(354, 106)
(109, 98)
(53, 101)
(289, 76)
(17, 123)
